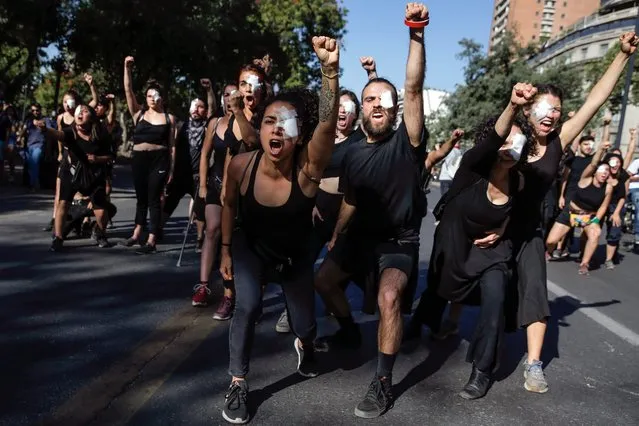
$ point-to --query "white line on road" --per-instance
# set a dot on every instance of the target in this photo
(594, 314)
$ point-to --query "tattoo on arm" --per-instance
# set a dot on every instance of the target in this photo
(326, 101)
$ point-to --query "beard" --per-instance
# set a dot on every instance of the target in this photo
(379, 131)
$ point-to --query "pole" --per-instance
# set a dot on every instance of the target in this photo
(626, 90)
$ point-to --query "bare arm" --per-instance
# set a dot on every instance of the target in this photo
(207, 150)
(632, 146)
(131, 102)
(111, 112)
(606, 127)
(603, 209)
(247, 131)
(438, 155)
(60, 147)
(229, 211)
(600, 93)
(368, 63)
(172, 145)
(591, 168)
(94, 93)
(415, 69)
(346, 212)
(210, 99)
(319, 149)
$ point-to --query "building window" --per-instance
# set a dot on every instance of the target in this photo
(563, 15)
(584, 53)
(561, 28)
(565, 3)
(535, 25)
(603, 48)
(534, 37)
(537, 13)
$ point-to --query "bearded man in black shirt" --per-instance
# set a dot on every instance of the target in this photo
(382, 208)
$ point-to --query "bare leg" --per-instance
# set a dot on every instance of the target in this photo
(392, 284)
(60, 214)
(593, 232)
(557, 232)
(213, 217)
(535, 333)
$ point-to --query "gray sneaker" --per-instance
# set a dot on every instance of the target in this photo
(609, 264)
(535, 378)
(282, 325)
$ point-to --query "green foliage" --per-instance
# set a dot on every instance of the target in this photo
(488, 82)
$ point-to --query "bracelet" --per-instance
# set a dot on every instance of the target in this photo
(330, 77)
(594, 220)
(417, 24)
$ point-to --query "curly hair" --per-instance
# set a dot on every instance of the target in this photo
(306, 104)
(484, 130)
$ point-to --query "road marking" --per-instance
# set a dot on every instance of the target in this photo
(594, 314)
(115, 396)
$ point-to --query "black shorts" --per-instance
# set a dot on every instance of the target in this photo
(214, 191)
(365, 261)
(68, 189)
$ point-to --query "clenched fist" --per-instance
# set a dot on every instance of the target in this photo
(368, 63)
(416, 12)
(629, 42)
(128, 61)
(522, 94)
(327, 51)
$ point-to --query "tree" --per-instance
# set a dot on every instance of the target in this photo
(488, 81)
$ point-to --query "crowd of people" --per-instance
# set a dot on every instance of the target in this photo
(280, 177)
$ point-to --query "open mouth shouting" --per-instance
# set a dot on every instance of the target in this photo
(377, 117)
(275, 147)
(341, 119)
(546, 125)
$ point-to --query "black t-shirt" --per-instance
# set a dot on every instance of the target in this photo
(382, 180)
(577, 165)
(335, 165)
(619, 190)
(189, 150)
(79, 148)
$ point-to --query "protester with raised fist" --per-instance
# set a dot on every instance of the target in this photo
(153, 158)
(275, 190)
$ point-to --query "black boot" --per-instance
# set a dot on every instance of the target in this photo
(477, 385)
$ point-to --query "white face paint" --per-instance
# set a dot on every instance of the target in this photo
(155, 95)
(77, 112)
(542, 109)
(386, 100)
(349, 107)
(70, 103)
(517, 147)
(602, 169)
(254, 81)
(193, 108)
(287, 121)
(614, 162)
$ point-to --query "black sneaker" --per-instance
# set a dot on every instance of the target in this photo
(129, 242)
(56, 244)
(100, 238)
(345, 338)
(306, 363)
(146, 249)
(378, 399)
(49, 226)
(236, 403)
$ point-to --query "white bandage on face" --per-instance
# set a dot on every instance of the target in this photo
(349, 107)
(254, 81)
(78, 111)
(542, 109)
(517, 147)
(613, 162)
(287, 121)
(386, 100)
(70, 103)
(155, 95)
(602, 169)
(193, 107)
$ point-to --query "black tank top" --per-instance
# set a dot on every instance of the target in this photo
(65, 151)
(280, 233)
(220, 146)
(590, 198)
(156, 134)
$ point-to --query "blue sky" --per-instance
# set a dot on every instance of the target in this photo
(376, 28)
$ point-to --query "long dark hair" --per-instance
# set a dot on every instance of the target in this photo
(97, 130)
(306, 105)
(155, 85)
(484, 131)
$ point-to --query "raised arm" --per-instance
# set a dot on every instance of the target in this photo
(415, 69)
(632, 146)
(229, 210)
(442, 152)
(248, 133)
(602, 90)
(591, 168)
(320, 147)
(172, 134)
(210, 96)
(94, 93)
(607, 119)
(48, 131)
(111, 111)
(603, 209)
(368, 63)
(131, 102)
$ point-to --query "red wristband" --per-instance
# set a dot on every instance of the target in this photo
(417, 24)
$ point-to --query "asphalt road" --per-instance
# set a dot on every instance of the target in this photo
(103, 336)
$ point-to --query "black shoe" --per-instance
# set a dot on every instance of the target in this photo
(129, 242)
(100, 238)
(477, 385)
(198, 246)
(236, 403)
(146, 249)
(56, 244)
(378, 399)
(346, 338)
(49, 226)
(306, 364)
(85, 230)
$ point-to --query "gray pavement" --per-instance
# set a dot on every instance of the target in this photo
(92, 336)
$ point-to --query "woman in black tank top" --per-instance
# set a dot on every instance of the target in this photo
(276, 188)
(543, 158)
(587, 208)
(153, 158)
(226, 137)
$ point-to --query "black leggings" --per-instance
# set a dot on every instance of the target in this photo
(150, 172)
